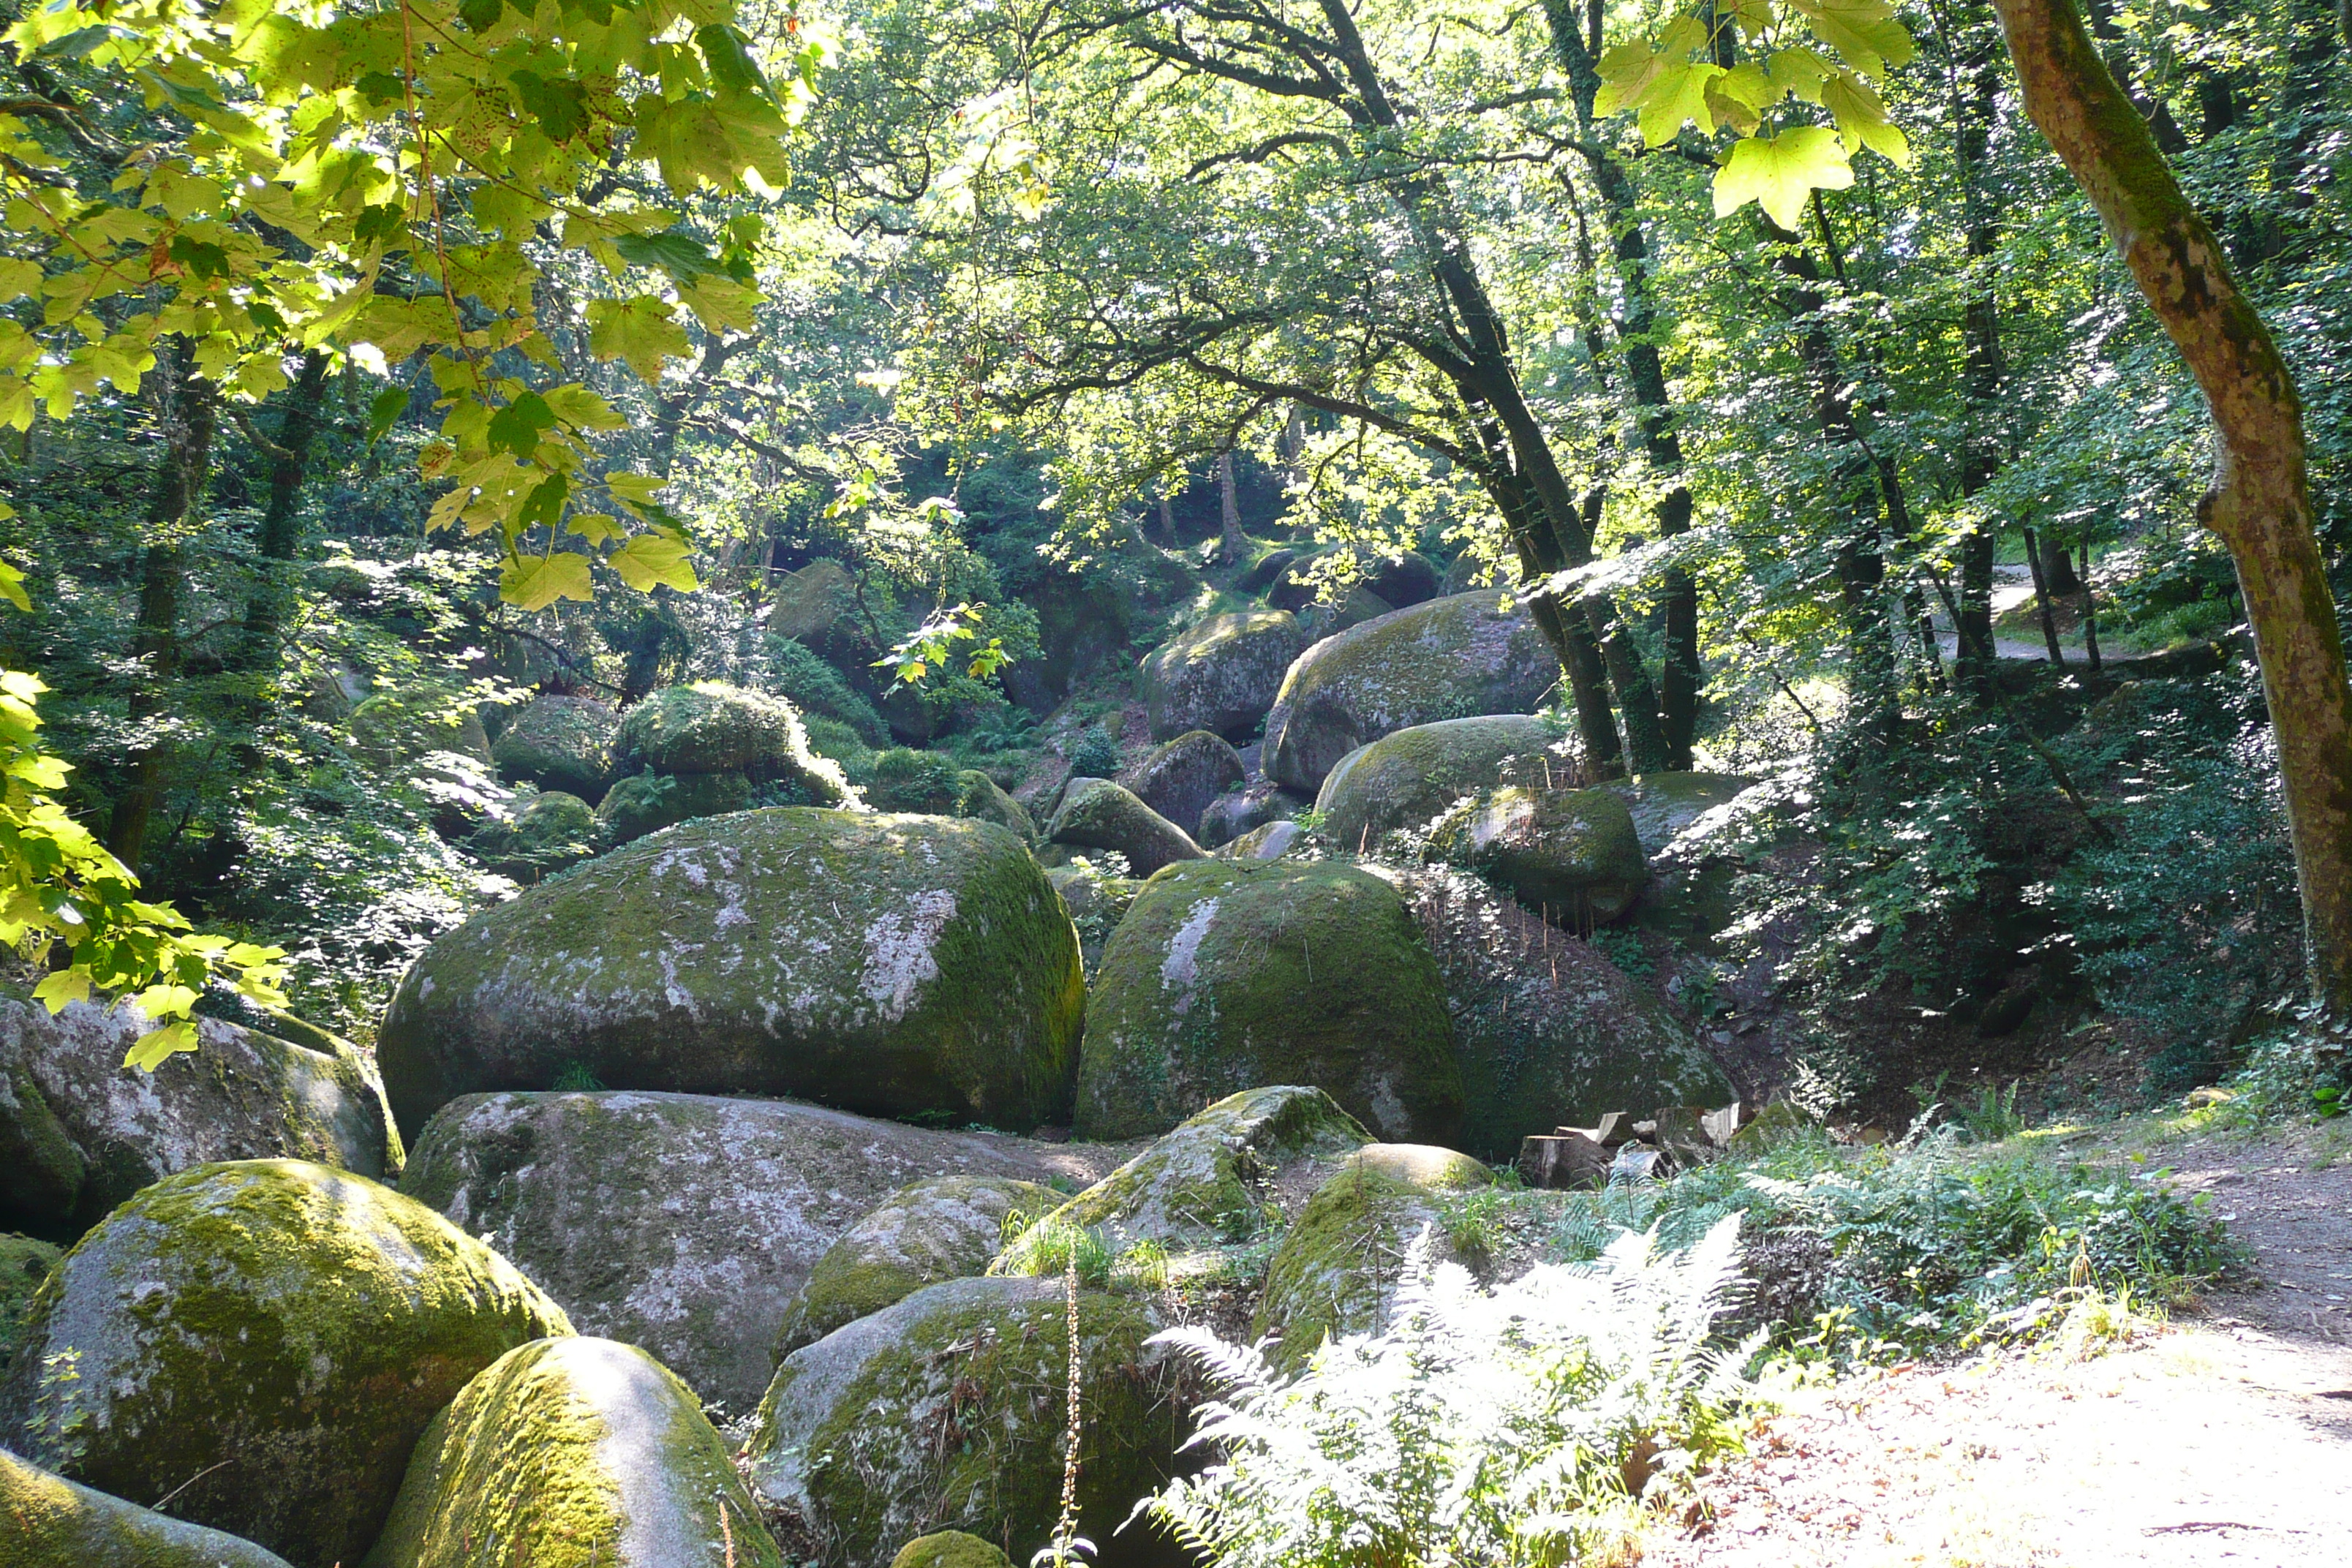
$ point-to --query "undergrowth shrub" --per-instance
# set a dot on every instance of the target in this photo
(1528, 1425)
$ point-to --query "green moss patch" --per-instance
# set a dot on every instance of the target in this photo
(47, 1521)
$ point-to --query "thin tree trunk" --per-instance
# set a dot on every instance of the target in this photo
(2089, 615)
(1232, 544)
(2039, 567)
(2259, 503)
(1975, 104)
(280, 535)
(186, 409)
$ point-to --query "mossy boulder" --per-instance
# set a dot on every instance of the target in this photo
(1100, 815)
(267, 1339)
(1178, 779)
(1206, 1183)
(687, 1223)
(1338, 1270)
(1549, 1032)
(1271, 842)
(1450, 658)
(713, 728)
(932, 784)
(549, 832)
(982, 799)
(950, 1549)
(80, 1132)
(818, 607)
(1425, 1165)
(1229, 816)
(1662, 804)
(1572, 855)
(1097, 903)
(1220, 676)
(1228, 974)
(648, 802)
(947, 1228)
(891, 965)
(569, 1453)
(1410, 777)
(559, 743)
(948, 1409)
(24, 1263)
(47, 1521)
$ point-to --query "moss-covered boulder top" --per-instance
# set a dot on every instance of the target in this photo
(687, 1223)
(892, 965)
(1450, 658)
(1664, 805)
(1425, 1165)
(1230, 975)
(1221, 676)
(1572, 855)
(949, 1228)
(950, 1549)
(1100, 815)
(1340, 1263)
(559, 743)
(1548, 1030)
(1206, 1182)
(572, 1452)
(267, 1339)
(80, 1132)
(1409, 776)
(713, 728)
(47, 1521)
(849, 1438)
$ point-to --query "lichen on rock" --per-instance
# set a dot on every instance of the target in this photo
(1228, 974)
(573, 1453)
(265, 1339)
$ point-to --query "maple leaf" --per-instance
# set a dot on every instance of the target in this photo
(1780, 173)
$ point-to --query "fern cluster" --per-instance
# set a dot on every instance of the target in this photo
(1521, 1426)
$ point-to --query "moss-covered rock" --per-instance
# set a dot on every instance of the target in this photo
(1179, 779)
(1341, 1260)
(1221, 676)
(1449, 659)
(267, 1338)
(549, 832)
(561, 743)
(1423, 1165)
(1100, 815)
(950, 1549)
(931, 782)
(1548, 1031)
(893, 966)
(818, 607)
(648, 802)
(947, 1228)
(948, 1410)
(1271, 842)
(1572, 855)
(687, 1223)
(24, 1263)
(569, 1453)
(1662, 804)
(1097, 903)
(1410, 777)
(713, 728)
(80, 1132)
(1206, 1182)
(1229, 816)
(1228, 974)
(982, 799)
(47, 1521)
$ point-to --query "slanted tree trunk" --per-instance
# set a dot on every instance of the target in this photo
(2259, 503)
(2037, 560)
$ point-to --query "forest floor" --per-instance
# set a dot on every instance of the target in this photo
(2223, 1436)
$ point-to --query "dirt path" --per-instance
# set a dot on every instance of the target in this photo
(2223, 1439)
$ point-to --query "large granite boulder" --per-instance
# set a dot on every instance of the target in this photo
(1180, 779)
(1097, 903)
(561, 743)
(24, 1263)
(1572, 855)
(1221, 676)
(1229, 816)
(264, 1340)
(1100, 815)
(1662, 804)
(393, 727)
(893, 966)
(687, 1223)
(816, 606)
(713, 728)
(573, 1451)
(47, 1521)
(949, 1228)
(948, 1410)
(1548, 1031)
(950, 1549)
(1230, 975)
(1449, 659)
(648, 802)
(1410, 777)
(80, 1132)
(1207, 1181)
(548, 832)
(932, 783)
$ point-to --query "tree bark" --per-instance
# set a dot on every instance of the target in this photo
(281, 534)
(1974, 106)
(2089, 615)
(2037, 561)
(2259, 503)
(1232, 544)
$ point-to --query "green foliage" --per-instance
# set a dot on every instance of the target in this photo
(1528, 1425)
(1096, 755)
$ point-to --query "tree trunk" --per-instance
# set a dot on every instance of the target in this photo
(2259, 503)
(2036, 561)
(281, 534)
(186, 408)
(2089, 615)
(1974, 108)
(1232, 544)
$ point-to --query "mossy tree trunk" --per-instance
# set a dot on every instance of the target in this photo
(2260, 501)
